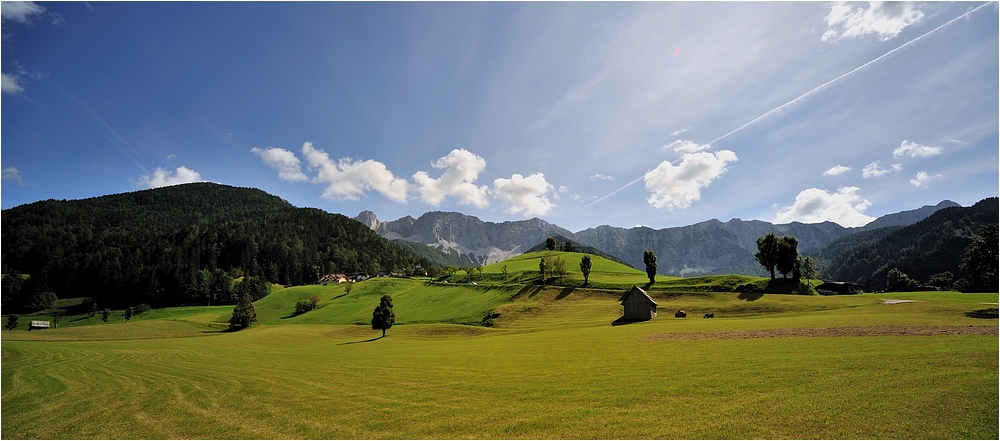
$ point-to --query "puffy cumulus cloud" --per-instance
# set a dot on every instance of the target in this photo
(682, 146)
(12, 174)
(884, 19)
(836, 170)
(874, 171)
(347, 179)
(678, 186)
(814, 205)
(914, 150)
(9, 84)
(524, 195)
(288, 165)
(461, 169)
(162, 177)
(20, 12)
(922, 179)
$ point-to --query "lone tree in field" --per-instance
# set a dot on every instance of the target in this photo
(980, 259)
(243, 313)
(541, 268)
(649, 258)
(767, 252)
(11, 322)
(788, 255)
(585, 265)
(383, 317)
(105, 315)
(128, 314)
(550, 244)
(56, 316)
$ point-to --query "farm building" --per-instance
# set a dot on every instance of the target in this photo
(829, 288)
(638, 305)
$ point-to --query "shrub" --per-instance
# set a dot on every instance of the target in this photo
(303, 306)
(143, 307)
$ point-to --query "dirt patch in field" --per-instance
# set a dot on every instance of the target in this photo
(847, 331)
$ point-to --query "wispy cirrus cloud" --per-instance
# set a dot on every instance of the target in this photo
(12, 174)
(814, 205)
(684, 146)
(914, 150)
(836, 170)
(598, 176)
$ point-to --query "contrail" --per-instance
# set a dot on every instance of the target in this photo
(824, 85)
(810, 93)
(117, 140)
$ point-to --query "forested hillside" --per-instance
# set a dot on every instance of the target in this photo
(931, 246)
(182, 244)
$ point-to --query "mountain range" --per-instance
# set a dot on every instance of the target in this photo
(709, 247)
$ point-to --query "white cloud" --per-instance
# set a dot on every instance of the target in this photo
(601, 177)
(288, 165)
(12, 174)
(914, 150)
(836, 170)
(162, 177)
(171, 157)
(922, 179)
(813, 205)
(884, 19)
(873, 171)
(524, 195)
(678, 186)
(347, 179)
(682, 146)
(678, 132)
(461, 169)
(21, 12)
(9, 85)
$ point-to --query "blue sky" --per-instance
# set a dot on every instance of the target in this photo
(582, 114)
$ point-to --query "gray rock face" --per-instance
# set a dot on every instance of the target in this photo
(710, 247)
(487, 242)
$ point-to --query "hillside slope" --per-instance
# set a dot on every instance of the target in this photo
(933, 245)
(182, 244)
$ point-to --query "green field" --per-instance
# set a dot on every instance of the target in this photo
(553, 366)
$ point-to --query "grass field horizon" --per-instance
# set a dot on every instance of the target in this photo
(551, 366)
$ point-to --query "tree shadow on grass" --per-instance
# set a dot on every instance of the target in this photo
(750, 296)
(565, 292)
(362, 341)
(988, 313)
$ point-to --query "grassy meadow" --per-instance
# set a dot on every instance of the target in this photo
(552, 366)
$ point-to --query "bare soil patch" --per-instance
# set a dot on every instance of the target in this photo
(846, 331)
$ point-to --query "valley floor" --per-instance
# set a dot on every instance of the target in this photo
(552, 367)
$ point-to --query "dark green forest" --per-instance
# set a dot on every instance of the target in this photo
(181, 245)
(927, 248)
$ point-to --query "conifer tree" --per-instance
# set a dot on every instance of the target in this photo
(243, 313)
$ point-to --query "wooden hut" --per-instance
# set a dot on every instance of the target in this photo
(638, 305)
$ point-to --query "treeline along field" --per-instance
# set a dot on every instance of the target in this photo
(181, 245)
